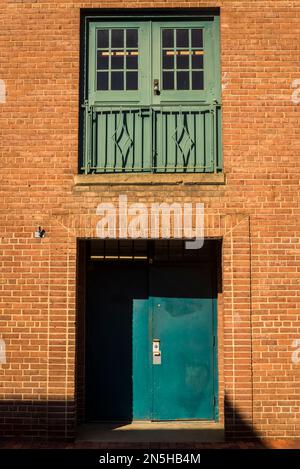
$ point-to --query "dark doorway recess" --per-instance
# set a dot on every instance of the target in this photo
(135, 296)
(112, 290)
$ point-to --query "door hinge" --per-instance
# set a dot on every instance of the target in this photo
(215, 401)
(214, 341)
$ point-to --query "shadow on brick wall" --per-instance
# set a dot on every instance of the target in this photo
(236, 426)
(37, 419)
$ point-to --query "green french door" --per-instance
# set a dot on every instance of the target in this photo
(153, 97)
(151, 342)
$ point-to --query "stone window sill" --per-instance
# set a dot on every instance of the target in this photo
(148, 179)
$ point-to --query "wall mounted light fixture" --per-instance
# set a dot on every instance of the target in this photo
(40, 233)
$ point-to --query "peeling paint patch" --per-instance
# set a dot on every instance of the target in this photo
(237, 317)
(296, 93)
(225, 80)
(2, 351)
(296, 353)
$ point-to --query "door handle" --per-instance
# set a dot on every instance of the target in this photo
(156, 89)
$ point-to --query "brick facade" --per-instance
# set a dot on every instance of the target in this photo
(255, 213)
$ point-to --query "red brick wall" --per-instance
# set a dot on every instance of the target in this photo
(256, 213)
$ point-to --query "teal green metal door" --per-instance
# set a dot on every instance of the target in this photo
(152, 96)
(183, 326)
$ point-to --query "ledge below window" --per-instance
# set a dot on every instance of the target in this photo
(107, 179)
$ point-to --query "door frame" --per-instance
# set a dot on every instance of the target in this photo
(142, 96)
(211, 90)
(150, 66)
(149, 32)
(209, 100)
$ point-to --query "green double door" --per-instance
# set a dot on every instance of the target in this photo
(152, 96)
(150, 342)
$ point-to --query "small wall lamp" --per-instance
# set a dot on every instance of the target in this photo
(40, 233)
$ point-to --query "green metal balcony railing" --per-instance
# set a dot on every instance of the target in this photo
(162, 139)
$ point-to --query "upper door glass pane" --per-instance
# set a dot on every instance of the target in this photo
(182, 59)
(117, 59)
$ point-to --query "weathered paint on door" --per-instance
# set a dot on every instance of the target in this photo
(138, 303)
(183, 321)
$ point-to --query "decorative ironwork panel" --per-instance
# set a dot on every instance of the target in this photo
(158, 139)
(121, 140)
(184, 140)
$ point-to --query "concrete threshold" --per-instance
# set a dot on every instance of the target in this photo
(152, 432)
